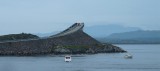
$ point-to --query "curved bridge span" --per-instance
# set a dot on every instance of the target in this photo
(75, 27)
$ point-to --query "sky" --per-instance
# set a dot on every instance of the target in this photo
(43, 16)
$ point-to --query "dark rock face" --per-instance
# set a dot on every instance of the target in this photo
(71, 41)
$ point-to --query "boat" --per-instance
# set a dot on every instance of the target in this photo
(67, 58)
(128, 56)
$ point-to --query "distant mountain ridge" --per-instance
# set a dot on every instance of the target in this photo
(134, 37)
(136, 34)
(99, 31)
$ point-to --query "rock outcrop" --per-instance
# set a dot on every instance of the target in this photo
(71, 41)
(15, 37)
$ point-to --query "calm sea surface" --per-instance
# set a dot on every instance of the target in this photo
(145, 58)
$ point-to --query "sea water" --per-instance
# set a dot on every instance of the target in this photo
(146, 57)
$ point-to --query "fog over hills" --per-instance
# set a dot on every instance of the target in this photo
(133, 37)
(99, 31)
(136, 34)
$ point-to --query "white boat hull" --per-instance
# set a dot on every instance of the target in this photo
(67, 59)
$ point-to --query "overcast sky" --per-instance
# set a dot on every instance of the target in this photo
(43, 16)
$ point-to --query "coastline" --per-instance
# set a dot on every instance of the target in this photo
(70, 41)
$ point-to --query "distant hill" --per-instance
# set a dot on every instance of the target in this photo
(139, 37)
(99, 31)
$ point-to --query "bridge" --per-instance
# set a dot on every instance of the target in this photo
(56, 44)
(74, 28)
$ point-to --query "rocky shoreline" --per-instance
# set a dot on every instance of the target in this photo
(61, 49)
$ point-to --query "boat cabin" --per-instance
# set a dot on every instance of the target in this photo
(67, 58)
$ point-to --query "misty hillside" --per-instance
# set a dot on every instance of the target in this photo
(133, 37)
(106, 30)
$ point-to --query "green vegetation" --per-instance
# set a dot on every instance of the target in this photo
(17, 36)
(77, 48)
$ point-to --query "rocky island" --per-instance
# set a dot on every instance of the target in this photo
(70, 41)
